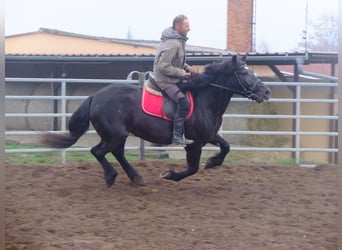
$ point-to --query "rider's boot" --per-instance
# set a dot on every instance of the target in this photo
(178, 131)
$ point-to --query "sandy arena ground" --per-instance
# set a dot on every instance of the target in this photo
(235, 207)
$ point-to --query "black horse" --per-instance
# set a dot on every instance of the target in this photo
(115, 111)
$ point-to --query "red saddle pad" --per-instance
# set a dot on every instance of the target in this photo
(152, 104)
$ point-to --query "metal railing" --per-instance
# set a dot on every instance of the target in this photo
(297, 133)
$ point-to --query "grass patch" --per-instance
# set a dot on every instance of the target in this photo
(56, 157)
(86, 156)
(287, 161)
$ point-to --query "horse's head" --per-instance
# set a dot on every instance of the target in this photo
(247, 82)
(233, 76)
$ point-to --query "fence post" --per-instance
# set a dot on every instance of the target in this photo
(142, 142)
(63, 111)
(298, 112)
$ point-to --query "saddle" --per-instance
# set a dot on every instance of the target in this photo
(157, 103)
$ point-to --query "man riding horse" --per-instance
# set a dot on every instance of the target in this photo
(116, 111)
(170, 68)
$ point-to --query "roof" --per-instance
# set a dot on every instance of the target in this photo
(205, 57)
(197, 55)
(141, 43)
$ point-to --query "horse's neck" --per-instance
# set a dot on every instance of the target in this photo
(215, 100)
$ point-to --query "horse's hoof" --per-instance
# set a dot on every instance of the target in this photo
(110, 180)
(209, 166)
(137, 181)
(165, 174)
(211, 163)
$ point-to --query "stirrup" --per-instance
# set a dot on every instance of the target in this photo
(182, 142)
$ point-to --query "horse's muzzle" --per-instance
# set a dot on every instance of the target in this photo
(262, 94)
(267, 94)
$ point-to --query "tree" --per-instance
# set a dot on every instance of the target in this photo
(322, 34)
(263, 47)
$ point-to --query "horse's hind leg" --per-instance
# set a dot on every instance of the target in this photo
(99, 152)
(132, 174)
(218, 159)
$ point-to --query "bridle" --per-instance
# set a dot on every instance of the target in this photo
(247, 91)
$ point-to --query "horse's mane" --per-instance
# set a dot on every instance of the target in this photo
(210, 73)
(216, 68)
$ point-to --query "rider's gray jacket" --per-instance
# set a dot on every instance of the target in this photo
(170, 58)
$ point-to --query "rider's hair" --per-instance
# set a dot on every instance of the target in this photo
(178, 20)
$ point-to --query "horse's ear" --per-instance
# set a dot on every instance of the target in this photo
(244, 58)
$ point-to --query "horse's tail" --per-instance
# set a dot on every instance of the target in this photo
(78, 125)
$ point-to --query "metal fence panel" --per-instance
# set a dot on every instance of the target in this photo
(297, 117)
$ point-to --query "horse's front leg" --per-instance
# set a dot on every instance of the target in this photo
(218, 159)
(193, 155)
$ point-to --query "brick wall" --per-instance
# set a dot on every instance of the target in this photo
(240, 25)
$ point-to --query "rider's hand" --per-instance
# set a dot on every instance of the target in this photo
(186, 74)
(189, 69)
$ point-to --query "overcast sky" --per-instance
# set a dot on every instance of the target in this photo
(279, 23)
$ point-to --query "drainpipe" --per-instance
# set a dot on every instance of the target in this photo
(307, 73)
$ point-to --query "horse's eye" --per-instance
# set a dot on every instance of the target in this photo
(243, 72)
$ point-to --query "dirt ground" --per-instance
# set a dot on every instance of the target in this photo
(233, 207)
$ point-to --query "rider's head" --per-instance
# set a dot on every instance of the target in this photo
(181, 24)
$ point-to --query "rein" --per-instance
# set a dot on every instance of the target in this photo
(228, 89)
